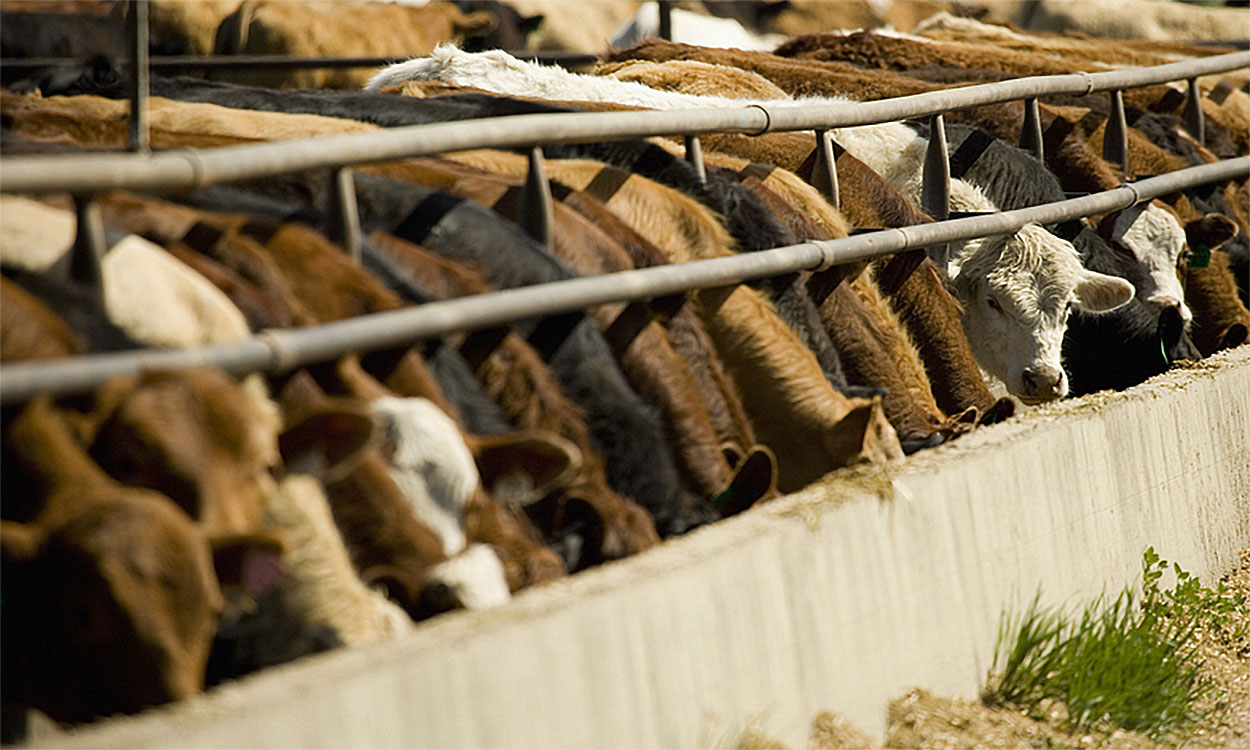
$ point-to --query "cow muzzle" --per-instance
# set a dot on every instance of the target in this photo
(1041, 383)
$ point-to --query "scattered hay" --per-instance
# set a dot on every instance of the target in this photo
(833, 732)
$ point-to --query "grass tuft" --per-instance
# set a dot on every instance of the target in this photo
(1126, 662)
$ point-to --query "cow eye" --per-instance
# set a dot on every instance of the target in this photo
(993, 303)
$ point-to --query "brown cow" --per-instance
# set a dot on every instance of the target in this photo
(335, 29)
(110, 596)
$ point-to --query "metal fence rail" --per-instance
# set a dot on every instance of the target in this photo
(190, 169)
(277, 351)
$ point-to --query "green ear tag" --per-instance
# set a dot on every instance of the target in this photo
(1163, 350)
(1200, 257)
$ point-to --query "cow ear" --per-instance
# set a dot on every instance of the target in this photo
(329, 440)
(19, 543)
(530, 24)
(1209, 232)
(523, 467)
(249, 562)
(476, 23)
(1100, 293)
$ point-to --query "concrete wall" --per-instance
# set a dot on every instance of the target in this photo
(839, 597)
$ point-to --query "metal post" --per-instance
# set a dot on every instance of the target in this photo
(89, 245)
(139, 141)
(935, 190)
(342, 218)
(666, 19)
(1193, 113)
(825, 171)
(1031, 132)
(694, 155)
(537, 215)
(1115, 139)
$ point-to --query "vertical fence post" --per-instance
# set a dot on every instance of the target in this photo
(342, 218)
(1031, 132)
(666, 19)
(1115, 138)
(89, 245)
(935, 190)
(1193, 113)
(825, 172)
(536, 215)
(139, 142)
(694, 155)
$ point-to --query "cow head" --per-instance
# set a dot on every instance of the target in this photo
(1017, 292)
(112, 610)
(1155, 247)
(195, 436)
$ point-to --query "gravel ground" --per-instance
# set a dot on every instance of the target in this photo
(923, 721)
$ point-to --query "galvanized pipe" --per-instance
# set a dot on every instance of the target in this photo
(89, 247)
(276, 351)
(537, 214)
(1031, 131)
(935, 190)
(190, 169)
(342, 216)
(694, 155)
(1115, 137)
(1192, 115)
(825, 170)
(139, 137)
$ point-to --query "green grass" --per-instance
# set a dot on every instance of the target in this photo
(1129, 662)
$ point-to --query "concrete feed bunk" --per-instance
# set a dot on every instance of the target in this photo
(838, 597)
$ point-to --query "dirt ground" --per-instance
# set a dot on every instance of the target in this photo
(920, 720)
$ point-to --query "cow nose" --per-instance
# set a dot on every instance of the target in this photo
(1042, 382)
(1168, 302)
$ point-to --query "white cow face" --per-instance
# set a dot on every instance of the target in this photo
(1017, 292)
(1153, 236)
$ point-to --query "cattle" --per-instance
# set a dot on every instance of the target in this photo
(691, 28)
(1020, 345)
(112, 593)
(740, 323)
(576, 27)
(313, 29)
(693, 77)
(138, 279)
(29, 329)
(949, 62)
(1123, 19)
(58, 35)
(1014, 179)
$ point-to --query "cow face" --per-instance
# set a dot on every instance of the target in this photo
(1152, 239)
(112, 611)
(1017, 292)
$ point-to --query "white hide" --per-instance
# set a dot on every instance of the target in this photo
(1035, 264)
(1156, 239)
(320, 583)
(475, 577)
(33, 235)
(431, 465)
(693, 28)
(148, 293)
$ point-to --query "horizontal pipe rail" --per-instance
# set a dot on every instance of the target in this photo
(187, 63)
(282, 350)
(190, 168)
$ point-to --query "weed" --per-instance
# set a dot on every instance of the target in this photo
(1124, 662)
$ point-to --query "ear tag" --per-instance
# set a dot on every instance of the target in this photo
(1200, 257)
(1164, 352)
